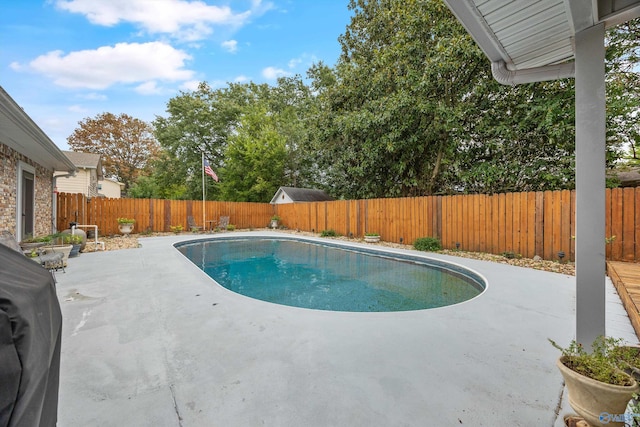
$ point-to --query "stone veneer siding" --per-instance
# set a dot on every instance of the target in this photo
(9, 160)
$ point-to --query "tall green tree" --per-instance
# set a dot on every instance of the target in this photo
(623, 91)
(517, 138)
(197, 122)
(390, 110)
(255, 158)
(223, 124)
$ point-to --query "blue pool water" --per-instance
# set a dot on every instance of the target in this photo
(325, 277)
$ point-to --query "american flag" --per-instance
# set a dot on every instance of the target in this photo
(209, 171)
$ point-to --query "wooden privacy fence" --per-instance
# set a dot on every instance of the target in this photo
(154, 214)
(527, 224)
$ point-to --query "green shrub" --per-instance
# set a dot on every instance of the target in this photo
(602, 364)
(429, 244)
(39, 239)
(231, 227)
(74, 239)
(329, 233)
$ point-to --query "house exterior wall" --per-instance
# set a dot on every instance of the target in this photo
(9, 161)
(109, 189)
(84, 182)
(283, 198)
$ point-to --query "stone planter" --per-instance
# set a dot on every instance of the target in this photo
(372, 239)
(274, 224)
(591, 398)
(125, 228)
(31, 245)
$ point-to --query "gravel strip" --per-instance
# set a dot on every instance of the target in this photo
(114, 243)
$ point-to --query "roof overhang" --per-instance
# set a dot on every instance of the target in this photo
(531, 41)
(20, 133)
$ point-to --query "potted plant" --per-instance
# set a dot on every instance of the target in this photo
(595, 382)
(628, 359)
(75, 240)
(371, 237)
(275, 221)
(125, 225)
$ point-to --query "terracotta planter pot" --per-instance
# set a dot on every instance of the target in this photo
(591, 398)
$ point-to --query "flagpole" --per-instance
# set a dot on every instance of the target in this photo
(204, 208)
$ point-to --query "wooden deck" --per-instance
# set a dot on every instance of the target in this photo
(626, 279)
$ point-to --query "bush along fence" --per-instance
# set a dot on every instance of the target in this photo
(513, 224)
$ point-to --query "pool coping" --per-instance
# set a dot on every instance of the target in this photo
(148, 341)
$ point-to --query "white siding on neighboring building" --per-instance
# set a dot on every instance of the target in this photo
(110, 189)
(282, 198)
(80, 183)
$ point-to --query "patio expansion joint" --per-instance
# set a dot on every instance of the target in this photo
(175, 405)
(559, 405)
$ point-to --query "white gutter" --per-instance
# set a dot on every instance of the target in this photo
(531, 75)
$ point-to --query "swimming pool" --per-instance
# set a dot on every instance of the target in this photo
(328, 276)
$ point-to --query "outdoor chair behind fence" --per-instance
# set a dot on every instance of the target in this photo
(191, 223)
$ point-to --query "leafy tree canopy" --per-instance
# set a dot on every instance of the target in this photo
(125, 143)
(230, 126)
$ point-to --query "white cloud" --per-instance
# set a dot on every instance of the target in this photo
(190, 85)
(148, 88)
(293, 63)
(272, 73)
(94, 96)
(305, 59)
(77, 109)
(108, 65)
(187, 20)
(230, 45)
(241, 79)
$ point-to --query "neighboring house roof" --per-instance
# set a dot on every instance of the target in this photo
(302, 195)
(85, 160)
(20, 132)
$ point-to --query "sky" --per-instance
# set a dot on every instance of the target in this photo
(66, 60)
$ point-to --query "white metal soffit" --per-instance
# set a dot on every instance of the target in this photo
(21, 133)
(530, 41)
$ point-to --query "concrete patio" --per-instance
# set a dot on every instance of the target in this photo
(150, 340)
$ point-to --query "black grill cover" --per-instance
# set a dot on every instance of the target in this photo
(30, 336)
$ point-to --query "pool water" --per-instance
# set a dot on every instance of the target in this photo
(324, 277)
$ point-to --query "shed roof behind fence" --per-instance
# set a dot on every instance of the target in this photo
(302, 195)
